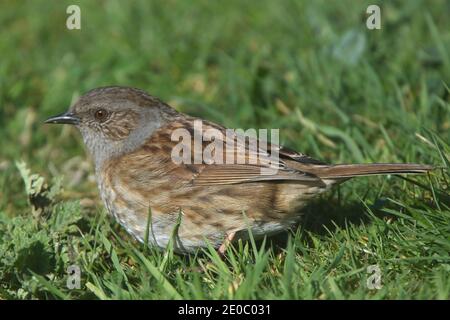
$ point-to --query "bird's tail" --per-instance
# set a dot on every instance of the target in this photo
(354, 170)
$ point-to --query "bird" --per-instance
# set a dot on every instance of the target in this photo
(160, 188)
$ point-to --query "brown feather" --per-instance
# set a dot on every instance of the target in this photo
(136, 171)
(353, 170)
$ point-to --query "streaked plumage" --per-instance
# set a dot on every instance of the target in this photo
(132, 152)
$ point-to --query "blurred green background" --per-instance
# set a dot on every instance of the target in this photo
(310, 68)
(336, 90)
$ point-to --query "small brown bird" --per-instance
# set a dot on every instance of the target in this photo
(129, 134)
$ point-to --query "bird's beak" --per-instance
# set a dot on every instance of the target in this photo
(64, 118)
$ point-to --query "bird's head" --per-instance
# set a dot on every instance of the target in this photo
(115, 120)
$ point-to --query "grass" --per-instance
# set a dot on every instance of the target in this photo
(336, 90)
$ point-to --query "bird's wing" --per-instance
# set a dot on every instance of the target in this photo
(239, 173)
(249, 162)
(298, 157)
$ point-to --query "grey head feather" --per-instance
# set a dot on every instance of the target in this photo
(151, 114)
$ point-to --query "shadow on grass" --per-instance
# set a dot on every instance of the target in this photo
(323, 216)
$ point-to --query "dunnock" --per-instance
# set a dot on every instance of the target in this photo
(129, 135)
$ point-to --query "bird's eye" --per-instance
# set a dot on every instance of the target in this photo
(100, 114)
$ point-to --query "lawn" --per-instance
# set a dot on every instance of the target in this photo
(337, 91)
